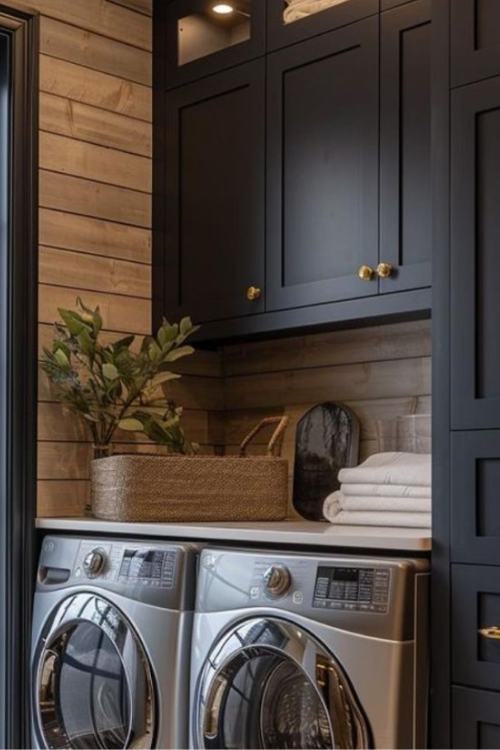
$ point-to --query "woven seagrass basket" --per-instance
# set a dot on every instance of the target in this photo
(194, 488)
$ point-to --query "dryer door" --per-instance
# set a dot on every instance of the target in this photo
(93, 685)
(270, 684)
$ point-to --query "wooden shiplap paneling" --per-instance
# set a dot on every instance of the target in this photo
(73, 44)
(95, 236)
(95, 88)
(95, 204)
(99, 126)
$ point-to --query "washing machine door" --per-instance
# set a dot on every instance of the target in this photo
(93, 685)
(270, 684)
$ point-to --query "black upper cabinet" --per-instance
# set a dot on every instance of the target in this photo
(475, 271)
(475, 40)
(322, 162)
(199, 41)
(287, 25)
(213, 246)
(405, 146)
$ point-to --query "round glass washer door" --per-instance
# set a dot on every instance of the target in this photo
(93, 686)
(270, 684)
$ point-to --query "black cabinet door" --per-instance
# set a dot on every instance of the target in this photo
(475, 40)
(322, 167)
(475, 591)
(214, 201)
(285, 25)
(475, 487)
(475, 271)
(475, 718)
(198, 41)
(405, 146)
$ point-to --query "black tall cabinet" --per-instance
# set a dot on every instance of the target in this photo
(466, 310)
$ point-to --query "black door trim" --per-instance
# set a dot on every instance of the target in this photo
(18, 329)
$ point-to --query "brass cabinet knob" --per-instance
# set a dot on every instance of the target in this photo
(493, 632)
(366, 273)
(253, 293)
(384, 270)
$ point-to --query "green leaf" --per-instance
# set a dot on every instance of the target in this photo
(73, 321)
(166, 334)
(61, 358)
(109, 371)
(185, 326)
(129, 424)
(182, 351)
(154, 351)
(163, 377)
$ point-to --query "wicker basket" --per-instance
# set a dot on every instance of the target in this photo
(194, 488)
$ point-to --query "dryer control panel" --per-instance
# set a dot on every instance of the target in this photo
(349, 588)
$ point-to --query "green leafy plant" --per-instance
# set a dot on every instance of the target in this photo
(111, 386)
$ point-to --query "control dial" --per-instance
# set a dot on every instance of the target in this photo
(94, 562)
(277, 580)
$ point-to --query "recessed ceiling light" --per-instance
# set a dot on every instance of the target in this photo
(223, 9)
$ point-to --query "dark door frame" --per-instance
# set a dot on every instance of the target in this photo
(18, 374)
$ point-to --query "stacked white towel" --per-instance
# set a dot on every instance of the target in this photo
(298, 9)
(388, 489)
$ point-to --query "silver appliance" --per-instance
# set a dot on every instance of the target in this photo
(111, 639)
(309, 651)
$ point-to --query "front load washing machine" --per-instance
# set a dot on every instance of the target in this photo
(110, 647)
(309, 651)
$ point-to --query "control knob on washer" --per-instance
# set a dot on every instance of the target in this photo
(94, 562)
(277, 580)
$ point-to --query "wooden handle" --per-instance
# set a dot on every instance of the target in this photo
(276, 441)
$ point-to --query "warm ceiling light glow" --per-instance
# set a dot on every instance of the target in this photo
(223, 9)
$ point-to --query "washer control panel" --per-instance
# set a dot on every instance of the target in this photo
(350, 588)
(151, 567)
(124, 563)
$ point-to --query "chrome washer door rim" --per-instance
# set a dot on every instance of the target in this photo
(86, 608)
(285, 641)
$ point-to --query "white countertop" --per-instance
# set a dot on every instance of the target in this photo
(298, 533)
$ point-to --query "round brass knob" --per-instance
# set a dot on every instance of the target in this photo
(253, 293)
(384, 270)
(366, 273)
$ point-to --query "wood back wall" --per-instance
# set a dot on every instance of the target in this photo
(95, 211)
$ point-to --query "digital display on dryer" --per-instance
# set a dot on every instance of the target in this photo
(151, 567)
(348, 588)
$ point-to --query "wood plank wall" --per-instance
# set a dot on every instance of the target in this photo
(380, 372)
(95, 213)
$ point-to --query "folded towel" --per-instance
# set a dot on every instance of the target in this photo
(333, 512)
(391, 468)
(298, 9)
(387, 490)
(389, 503)
(367, 518)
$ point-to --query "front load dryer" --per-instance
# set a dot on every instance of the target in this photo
(309, 651)
(110, 647)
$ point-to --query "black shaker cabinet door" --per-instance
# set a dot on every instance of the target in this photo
(476, 719)
(214, 230)
(475, 272)
(322, 168)
(476, 625)
(475, 40)
(405, 143)
(475, 483)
